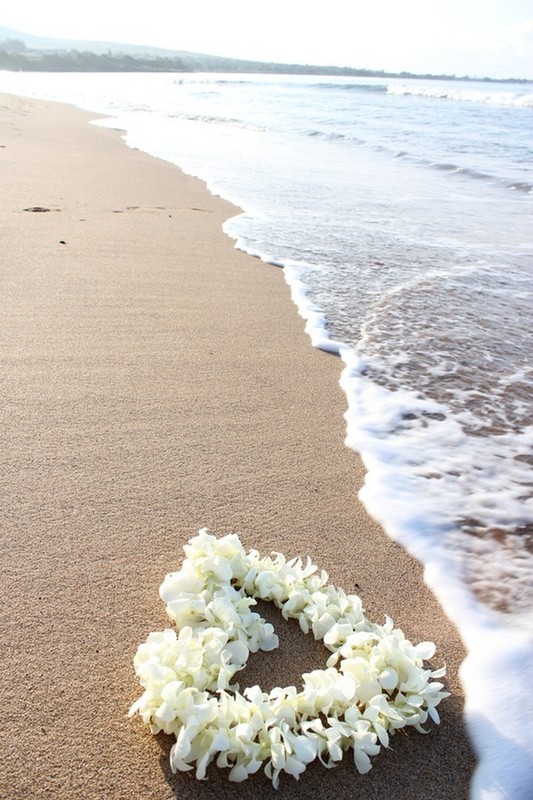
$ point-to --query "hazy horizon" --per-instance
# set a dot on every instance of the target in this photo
(481, 38)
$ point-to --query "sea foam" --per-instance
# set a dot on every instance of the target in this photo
(464, 95)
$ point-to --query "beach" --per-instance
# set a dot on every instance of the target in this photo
(156, 380)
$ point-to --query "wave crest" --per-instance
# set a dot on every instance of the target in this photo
(497, 98)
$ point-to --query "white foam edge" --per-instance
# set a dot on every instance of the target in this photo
(498, 98)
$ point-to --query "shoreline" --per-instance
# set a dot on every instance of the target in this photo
(148, 390)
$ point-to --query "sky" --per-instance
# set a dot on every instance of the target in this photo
(480, 38)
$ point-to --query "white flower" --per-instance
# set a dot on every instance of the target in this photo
(374, 681)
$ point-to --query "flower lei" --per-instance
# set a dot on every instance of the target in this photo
(373, 684)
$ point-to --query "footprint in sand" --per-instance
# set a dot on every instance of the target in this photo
(153, 209)
(41, 209)
(139, 209)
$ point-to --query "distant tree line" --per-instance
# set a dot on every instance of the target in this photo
(16, 56)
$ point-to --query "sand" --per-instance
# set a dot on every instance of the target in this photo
(154, 380)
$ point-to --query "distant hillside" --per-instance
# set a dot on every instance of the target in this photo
(21, 51)
(43, 43)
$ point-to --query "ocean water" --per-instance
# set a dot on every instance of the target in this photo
(401, 212)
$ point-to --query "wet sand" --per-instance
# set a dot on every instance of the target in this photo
(154, 380)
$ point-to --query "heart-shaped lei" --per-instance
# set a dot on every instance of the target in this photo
(374, 681)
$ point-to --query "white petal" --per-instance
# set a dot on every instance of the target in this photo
(362, 761)
(165, 712)
(238, 774)
(237, 652)
(294, 767)
(425, 650)
(389, 678)
(304, 749)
